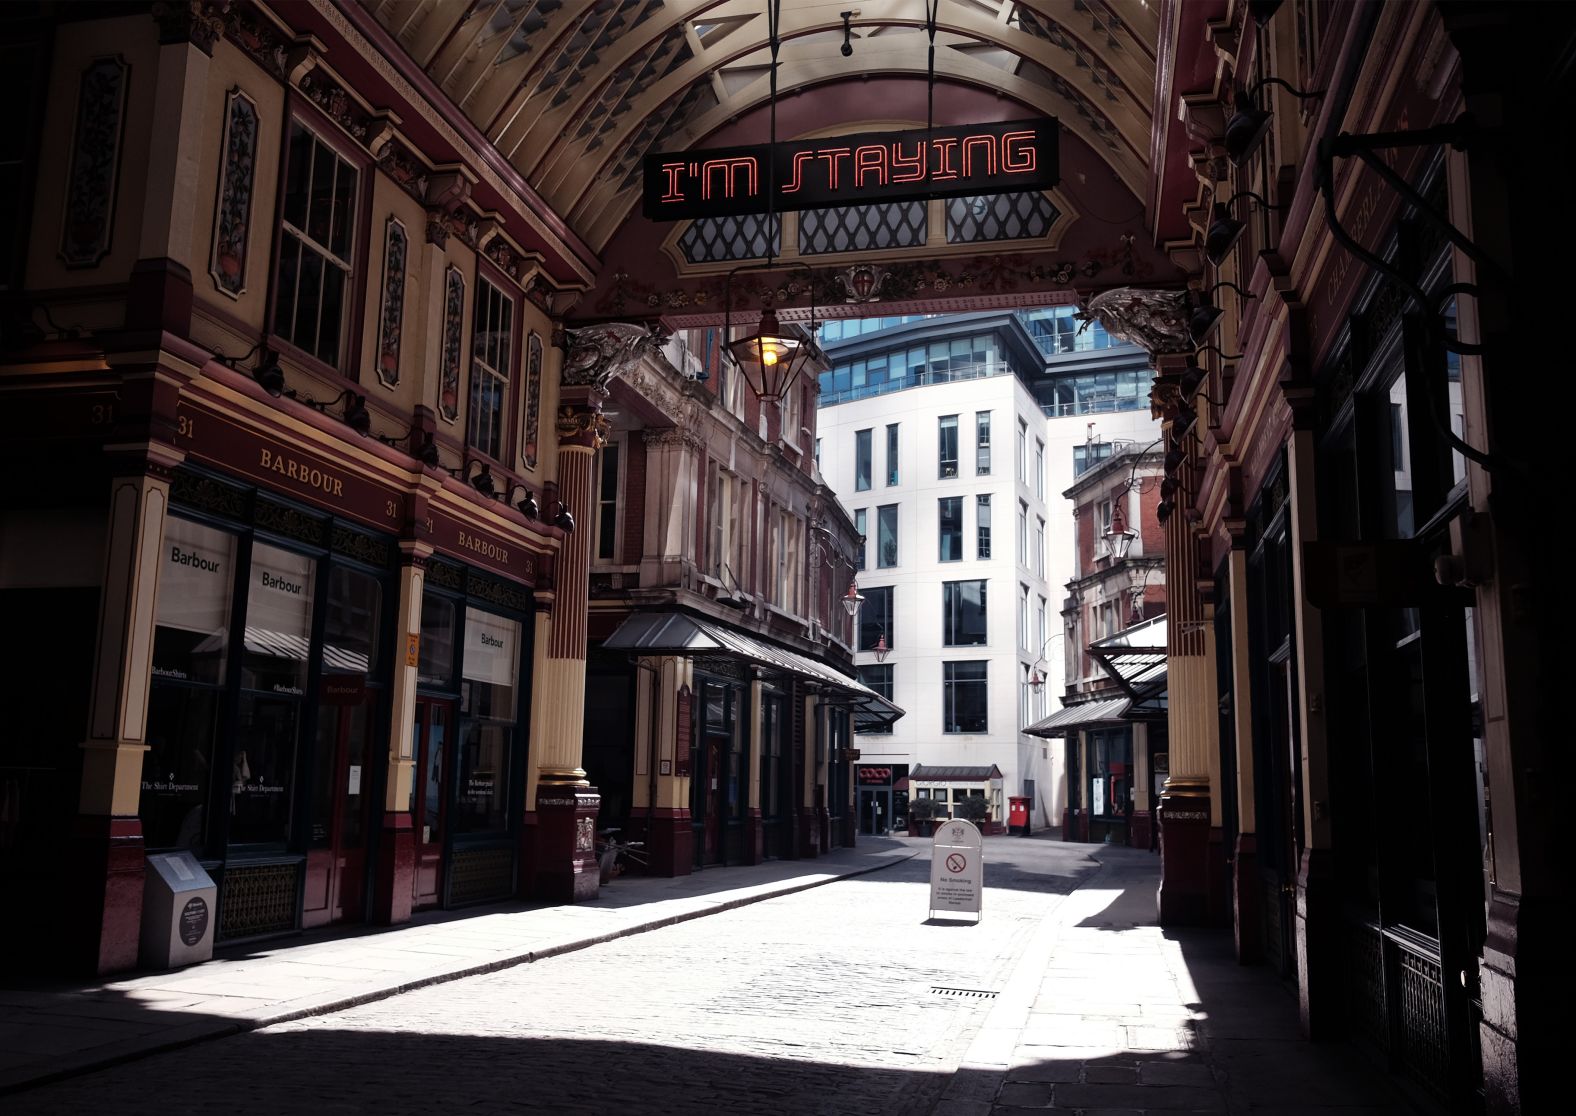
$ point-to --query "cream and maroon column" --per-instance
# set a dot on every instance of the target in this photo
(397, 850)
(565, 868)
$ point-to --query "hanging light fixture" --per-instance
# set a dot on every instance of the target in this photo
(1206, 314)
(1119, 536)
(771, 358)
(881, 649)
(1036, 680)
(526, 505)
(269, 376)
(1225, 227)
(564, 521)
(1249, 124)
(853, 599)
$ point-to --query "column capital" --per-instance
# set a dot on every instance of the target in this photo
(583, 427)
(198, 22)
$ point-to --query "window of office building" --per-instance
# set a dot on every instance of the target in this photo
(950, 521)
(878, 676)
(982, 443)
(861, 516)
(965, 697)
(875, 618)
(886, 536)
(1039, 469)
(947, 447)
(1039, 546)
(891, 454)
(861, 461)
(963, 613)
(1023, 534)
(1023, 452)
(982, 526)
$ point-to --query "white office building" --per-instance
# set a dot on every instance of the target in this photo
(950, 440)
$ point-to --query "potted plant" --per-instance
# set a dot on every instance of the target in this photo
(921, 817)
(974, 808)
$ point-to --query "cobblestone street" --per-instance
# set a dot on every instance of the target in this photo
(838, 999)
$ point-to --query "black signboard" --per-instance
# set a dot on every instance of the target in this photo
(851, 170)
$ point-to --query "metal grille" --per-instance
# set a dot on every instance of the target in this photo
(255, 900)
(747, 237)
(478, 875)
(1421, 1026)
(999, 217)
(857, 228)
(1365, 999)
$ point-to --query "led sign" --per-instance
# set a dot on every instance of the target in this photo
(850, 170)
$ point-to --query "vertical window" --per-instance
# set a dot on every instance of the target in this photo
(1039, 547)
(607, 505)
(492, 354)
(1040, 632)
(861, 518)
(878, 676)
(1039, 469)
(963, 613)
(316, 246)
(1023, 534)
(861, 461)
(982, 443)
(875, 618)
(1023, 452)
(886, 536)
(964, 697)
(1025, 698)
(491, 671)
(818, 454)
(982, 526)
(1023, 615)
(947, 453)
(950, 518)
(891, 454)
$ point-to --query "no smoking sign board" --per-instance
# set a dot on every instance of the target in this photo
(957, 869)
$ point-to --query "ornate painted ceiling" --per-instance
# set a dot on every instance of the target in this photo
(574, 92)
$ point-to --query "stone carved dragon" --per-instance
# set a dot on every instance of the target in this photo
(594, 355)
(1155, 320)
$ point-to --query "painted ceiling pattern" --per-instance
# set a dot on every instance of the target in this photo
(575, 92)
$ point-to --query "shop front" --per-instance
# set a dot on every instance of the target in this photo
(949, 787)
(882, 806)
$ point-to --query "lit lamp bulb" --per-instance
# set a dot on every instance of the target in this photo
(768, 355)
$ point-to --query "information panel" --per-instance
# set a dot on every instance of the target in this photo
(851, 170)
(957, 869)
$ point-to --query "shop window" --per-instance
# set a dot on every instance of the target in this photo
(352, 623)
(274, 658)
(490, 676)
(435, 667)
(316, 246)
(771, 756)
(492, 360)
(192, 632)
(950, 521)
(965, 702)
(963, 605)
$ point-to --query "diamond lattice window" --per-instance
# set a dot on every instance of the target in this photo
(856, 228)
(999, 217)
(712, 239)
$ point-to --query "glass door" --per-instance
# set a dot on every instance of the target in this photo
(336, 863)
(428, 795)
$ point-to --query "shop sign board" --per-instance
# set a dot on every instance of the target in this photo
(957, 869)
(912, 165)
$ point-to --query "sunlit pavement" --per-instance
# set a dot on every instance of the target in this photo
(840, 998)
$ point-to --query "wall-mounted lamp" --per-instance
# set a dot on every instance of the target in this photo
(853, 599)
(1249, 124)
(1206, 314)
(526, 503)
(425, 451)
(266, 372)
(355, 415)
(564, 521)
(1119, 536)
(848, 34)
(482, 479)
(1225, 228)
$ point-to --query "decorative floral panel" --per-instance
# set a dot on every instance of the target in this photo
(453, 321)
(95, 161)
(233, 216)
(394, 246)
(533, 399)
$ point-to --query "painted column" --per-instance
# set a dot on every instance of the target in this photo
(1185, 807)
(1246, 886)
(1318, 928)
(107, 846)
(754, 837)
(563, 849)
(397, 849)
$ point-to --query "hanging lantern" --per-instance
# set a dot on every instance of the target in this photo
(770, 358)
(853, 599)
(881, 649)
(1036, 681)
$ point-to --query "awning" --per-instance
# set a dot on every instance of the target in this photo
(925, 774)
(1086, 714)
(677, 633)
(1135, 658)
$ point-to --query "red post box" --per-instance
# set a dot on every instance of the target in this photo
(1018, 815)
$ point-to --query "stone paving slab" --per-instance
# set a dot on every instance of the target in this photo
(53, 1033)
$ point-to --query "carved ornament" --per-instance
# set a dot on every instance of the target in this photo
(594, 355)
